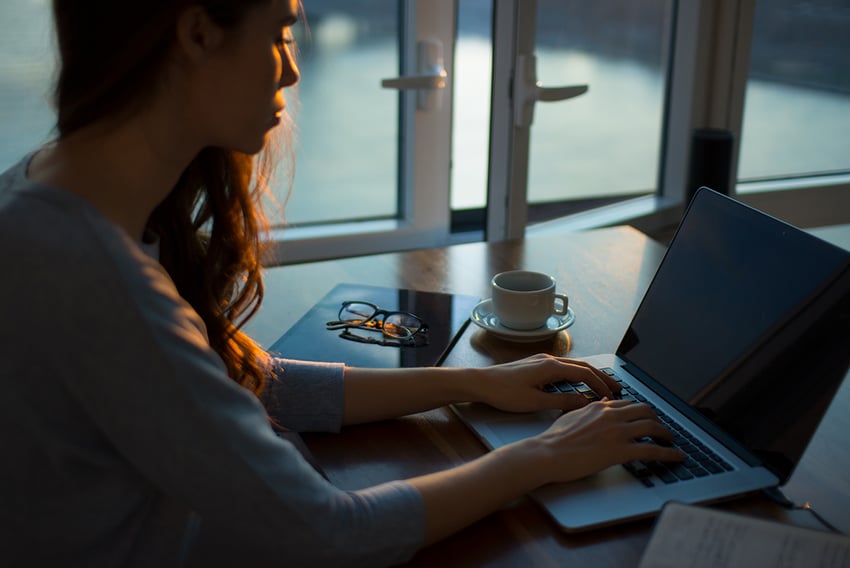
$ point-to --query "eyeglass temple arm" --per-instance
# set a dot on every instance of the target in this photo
(341, 324)
(345, 334)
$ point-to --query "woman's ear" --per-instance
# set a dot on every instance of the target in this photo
(197, 34)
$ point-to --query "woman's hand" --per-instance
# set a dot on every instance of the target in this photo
(600, 435)
(517, 386)
(578, 444)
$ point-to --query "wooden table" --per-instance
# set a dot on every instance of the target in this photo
(605, 272)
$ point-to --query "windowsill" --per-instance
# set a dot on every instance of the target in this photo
(804, 203)
(293, 245)
(647, 213)
(839, 235)
(762, 186)
(318, 231)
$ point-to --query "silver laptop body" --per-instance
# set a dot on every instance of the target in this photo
(740, 343)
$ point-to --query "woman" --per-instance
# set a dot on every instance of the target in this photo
(134, 426)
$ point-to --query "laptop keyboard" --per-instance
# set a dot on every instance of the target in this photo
(701, 460)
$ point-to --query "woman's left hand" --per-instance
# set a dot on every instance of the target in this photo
(518, 386)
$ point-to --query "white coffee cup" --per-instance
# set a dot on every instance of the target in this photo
(524, 300)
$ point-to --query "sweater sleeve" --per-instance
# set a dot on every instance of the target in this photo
(305, 396)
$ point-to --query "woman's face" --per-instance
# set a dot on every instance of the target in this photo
(242, 90)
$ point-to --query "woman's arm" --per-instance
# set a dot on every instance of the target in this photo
(376, 394)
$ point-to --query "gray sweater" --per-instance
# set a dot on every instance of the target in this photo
(123, 441)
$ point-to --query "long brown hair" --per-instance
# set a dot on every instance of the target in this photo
(212, 222)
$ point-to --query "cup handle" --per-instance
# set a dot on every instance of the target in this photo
(565, 303)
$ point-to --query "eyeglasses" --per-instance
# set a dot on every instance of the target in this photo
(402, 328)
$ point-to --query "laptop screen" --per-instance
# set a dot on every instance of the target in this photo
(740, 320)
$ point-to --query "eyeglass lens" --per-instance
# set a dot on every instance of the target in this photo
(394, 324)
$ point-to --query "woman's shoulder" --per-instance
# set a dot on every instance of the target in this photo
(59, 242)
(52, 223)
(14, 178)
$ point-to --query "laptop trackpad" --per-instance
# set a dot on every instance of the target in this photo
(512, 428)
(605, 498)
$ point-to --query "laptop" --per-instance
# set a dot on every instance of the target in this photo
(739, 343)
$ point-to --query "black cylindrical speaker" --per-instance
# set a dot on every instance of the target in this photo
(711, 160)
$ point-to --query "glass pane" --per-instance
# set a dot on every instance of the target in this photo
(26, 73)
(797, 112)
(347, 125)
(605, 143)
(473, 63)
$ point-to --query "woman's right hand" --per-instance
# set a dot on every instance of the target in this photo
(602, 434)
(579, 443)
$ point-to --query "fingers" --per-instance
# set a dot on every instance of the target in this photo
(640, 425)
(645, 451)
(631, 410)
(565, 401)
(556, 369)
(632, 421)
(639, 420)
(600, 382)
(647, 427)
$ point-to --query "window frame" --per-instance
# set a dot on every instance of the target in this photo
(424, 164)
(706, 88)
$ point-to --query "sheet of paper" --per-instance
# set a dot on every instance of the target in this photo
(700, 537)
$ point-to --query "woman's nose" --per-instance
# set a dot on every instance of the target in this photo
(289, 74)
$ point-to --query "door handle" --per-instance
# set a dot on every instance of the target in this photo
(528, 90)
(430, 80)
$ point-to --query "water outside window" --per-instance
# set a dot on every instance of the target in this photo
(471, 104)
(607, 142)
(347, 125)
(797, 110)
(26, 71)
(604, 144)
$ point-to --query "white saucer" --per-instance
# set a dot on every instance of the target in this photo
(483, 316)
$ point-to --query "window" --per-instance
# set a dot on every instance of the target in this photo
(797, 111)
(606, 144)
(372, 170)
(377, 172)
(471, 106)
(619, 49)
(618, 140)
(348, 127)
(26, 69)
(792, 158)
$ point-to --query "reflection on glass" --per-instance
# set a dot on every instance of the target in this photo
(605, 143)
(473, 67)
(26, 70)
(347, 125)
(797, 112)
